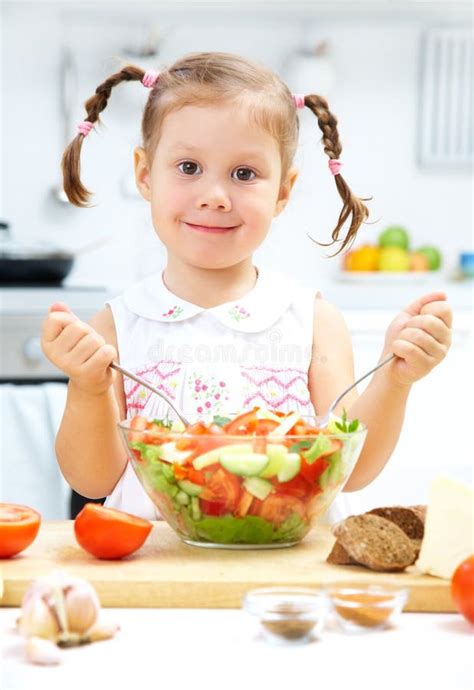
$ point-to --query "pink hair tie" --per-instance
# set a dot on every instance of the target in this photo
(85, 127)
(335, 165)
(150, 78)
(299, 100)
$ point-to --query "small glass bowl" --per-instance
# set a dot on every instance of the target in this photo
(365, 608)
(288, 615)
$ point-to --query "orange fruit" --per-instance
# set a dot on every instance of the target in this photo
(365, 258)
(419, 262)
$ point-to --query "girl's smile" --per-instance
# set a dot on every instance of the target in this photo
(213, 229)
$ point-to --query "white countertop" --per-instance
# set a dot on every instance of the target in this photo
(391, 294)
(224, 649)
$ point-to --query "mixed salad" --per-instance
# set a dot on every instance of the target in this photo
(259, 478)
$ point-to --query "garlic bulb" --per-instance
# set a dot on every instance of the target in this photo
(62, 609)
(37, 620)
(42, 652)
(82, 607)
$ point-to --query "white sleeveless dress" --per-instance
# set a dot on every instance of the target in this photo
(255, 351)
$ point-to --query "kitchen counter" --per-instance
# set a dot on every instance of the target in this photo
(203, 648)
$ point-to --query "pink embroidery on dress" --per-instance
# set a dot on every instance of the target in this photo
(137, 397)
(173, 313)
(209, 395)
(238, 313)
(261, 390)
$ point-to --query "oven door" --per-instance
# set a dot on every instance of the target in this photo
(32, 401)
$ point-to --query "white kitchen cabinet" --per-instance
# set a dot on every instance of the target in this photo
(435, 437)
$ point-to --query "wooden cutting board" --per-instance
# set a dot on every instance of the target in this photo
(166, 573)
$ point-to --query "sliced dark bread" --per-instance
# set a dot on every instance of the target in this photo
(410, 519)
(375, 542)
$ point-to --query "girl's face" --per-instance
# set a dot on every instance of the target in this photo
(214, 185)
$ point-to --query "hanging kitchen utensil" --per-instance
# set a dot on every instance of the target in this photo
(67, 89)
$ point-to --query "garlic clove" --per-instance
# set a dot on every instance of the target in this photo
(101, 631)
(43, 652)
(37, 620)
(82, 607)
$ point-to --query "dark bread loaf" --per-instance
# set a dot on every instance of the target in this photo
(376, 542)
(410, 519)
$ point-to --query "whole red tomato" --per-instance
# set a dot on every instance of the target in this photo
(109, 533)
(462, 588)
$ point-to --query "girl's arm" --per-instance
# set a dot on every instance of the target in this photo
(88, 446)
(420, 337)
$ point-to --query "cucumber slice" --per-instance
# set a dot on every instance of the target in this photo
(190, 488)
(286, 424)
(182, 498)
(213, 456)
(258, 487)
(290, 467)
(276, 453)
(281, 463)
(195, 509)
(322, 445)
(266, 414)
(244, 464)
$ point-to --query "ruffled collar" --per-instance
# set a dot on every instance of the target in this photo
(255, 311)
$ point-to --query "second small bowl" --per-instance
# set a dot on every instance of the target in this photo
(360, 609)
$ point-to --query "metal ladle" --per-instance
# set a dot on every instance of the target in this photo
(322, 422)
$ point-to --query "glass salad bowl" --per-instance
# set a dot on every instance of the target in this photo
(258, 480)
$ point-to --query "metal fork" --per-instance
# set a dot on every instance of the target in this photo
(321, 421)
(151, 387)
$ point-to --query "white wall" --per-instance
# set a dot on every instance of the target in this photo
(374, 97)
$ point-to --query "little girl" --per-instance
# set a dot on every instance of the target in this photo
(215, 332)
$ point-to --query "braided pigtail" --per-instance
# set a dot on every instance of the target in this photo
(71, 160)
(353, 206)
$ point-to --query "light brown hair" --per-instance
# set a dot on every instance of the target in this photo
(206, 78)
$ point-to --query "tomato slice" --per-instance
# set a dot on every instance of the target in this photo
(243, 424)
(265, 426)
(139, 424)
(297, 486)
(19, 526)
(312, 472)
(213, 508)
(277, 508)
(222, 487)
(462, 588)
(108, 533)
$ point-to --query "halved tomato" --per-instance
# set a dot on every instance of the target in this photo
(19, 526)
(277, 508)
(223, 488)
(108, 533)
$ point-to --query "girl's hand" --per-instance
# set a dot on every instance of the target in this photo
(420, 336)
(78, 350)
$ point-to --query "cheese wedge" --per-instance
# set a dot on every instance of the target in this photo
(449, 528)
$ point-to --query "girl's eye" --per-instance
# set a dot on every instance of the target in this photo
(243, 174)
(188, 167)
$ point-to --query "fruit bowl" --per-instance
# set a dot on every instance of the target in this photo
(259, 480)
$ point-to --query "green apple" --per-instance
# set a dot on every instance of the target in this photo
(394, 259)
(394, 236)
(433, 255)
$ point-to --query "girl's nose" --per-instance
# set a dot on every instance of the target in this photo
(214, 197)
